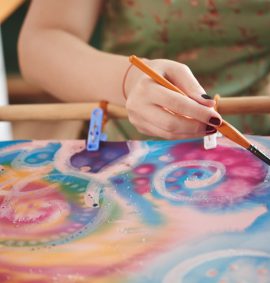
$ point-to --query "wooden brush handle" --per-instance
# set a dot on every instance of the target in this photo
(233, 134)
(154, 75)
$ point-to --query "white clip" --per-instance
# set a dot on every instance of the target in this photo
(210, 141)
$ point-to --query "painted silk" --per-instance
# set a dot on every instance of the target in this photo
(154, 211)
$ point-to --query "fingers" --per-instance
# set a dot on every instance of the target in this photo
(183, 105)
(182, 77)
(158, 122)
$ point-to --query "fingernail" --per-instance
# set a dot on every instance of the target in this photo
(210, 129)
(215, 121)
(206, 96)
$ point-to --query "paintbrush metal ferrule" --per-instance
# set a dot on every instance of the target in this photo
(259, 154)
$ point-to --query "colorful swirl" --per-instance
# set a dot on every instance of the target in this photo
(48, 210)
(211, 179)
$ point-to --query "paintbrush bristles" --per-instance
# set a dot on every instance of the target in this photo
(259, 154)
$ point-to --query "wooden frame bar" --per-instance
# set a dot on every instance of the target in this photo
(81, 111)
(55, 112)
(244, 105)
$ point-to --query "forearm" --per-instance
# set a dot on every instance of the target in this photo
(70, 69)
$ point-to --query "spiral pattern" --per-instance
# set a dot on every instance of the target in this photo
(211, 179)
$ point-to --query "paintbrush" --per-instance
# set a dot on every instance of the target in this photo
(225, 128)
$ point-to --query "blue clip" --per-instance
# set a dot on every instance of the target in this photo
(95, 134)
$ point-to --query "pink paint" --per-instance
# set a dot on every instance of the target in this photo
(141, 181)
(142, 189)
(144, 169)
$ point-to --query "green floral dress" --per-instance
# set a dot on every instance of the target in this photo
(225, 43)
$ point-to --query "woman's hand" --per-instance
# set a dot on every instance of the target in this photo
(148, 103)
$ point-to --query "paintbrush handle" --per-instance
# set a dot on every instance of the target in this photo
(153, 74)
(233, 134)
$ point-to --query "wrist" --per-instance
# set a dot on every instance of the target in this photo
(124, 82)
